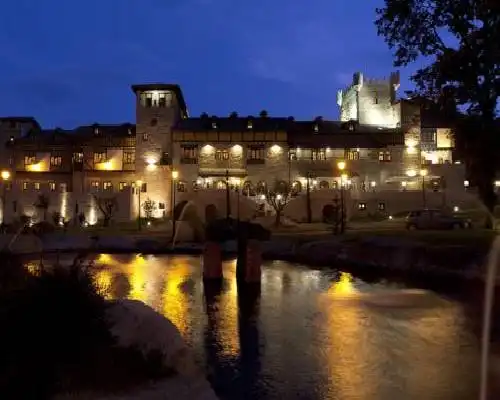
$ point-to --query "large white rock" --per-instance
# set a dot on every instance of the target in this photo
(134, 323)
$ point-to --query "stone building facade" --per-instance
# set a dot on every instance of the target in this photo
(168, 157)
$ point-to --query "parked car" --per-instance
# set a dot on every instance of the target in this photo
(436, 219)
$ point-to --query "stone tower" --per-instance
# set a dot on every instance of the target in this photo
(370, 101)
(158, 108)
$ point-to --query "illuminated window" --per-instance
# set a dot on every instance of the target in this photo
(63, 187)
(362, 206)
(318, 155)
(52, 186)
(94, 185)
(189, 154)
(352, 155)
(292, 155)
(100, 157)
(37, 185)
(256, 153)
(221, 155)
(29, 159)
(129, 157)
(78, 157)
(25, 185)
(381, 206)
(55, 161)
(122, 186)
(384, 156)
(145, 137)
(107, 186)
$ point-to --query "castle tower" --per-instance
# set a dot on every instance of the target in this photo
(158, 108)
(370, 101)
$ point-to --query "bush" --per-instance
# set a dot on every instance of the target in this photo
(55, 337)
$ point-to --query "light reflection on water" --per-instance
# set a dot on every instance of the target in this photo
(296, 340)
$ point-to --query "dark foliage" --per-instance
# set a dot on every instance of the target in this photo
(54, 336)
(462, 41)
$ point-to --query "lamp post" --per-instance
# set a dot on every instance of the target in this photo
(139, 190)
(175, 175)
(341, 166)
(5, 178)
(237, 186)
(423, 174)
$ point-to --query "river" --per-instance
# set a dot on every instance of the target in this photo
(308, 334)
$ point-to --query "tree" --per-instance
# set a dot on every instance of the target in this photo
(278, 197)
(107, 206)
(149, 207)
(460, 40)
(42, 204)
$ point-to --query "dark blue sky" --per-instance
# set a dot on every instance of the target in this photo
(72, 62)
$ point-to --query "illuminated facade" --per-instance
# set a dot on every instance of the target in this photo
(167, 153)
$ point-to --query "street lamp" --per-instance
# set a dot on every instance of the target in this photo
(5, 178)
(423, 174)
(343, 177)
(175, 176)
(139, 190)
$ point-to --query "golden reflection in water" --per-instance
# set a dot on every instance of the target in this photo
(344, 286)
(346, 356)
(103, 278)
(228, 335)
(175, 301)
(137, 272)
(105, 259)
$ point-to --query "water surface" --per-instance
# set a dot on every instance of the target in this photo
(308, 334)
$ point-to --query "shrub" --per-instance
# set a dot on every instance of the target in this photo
(55, 336)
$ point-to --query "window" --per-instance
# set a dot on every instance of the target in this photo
(292, 155)
(147, 99)
(145, 137)
(52, 186)
(144, 188)
(221, 155)
(318, 155)
(122, 186)
(78, 157)
(107, 186)
(161, 206)
(64, 187)
(129, 157)
(214, 125)
(316, 128)
(29, 159)
(55, 161)
(94, 185)
(384, 156)
(100, 157)
(381, 206)
(362, 206)
(256, 153)
(189, 153)
(25, 185)
(249, 124)
(37, 185)
(352, 155)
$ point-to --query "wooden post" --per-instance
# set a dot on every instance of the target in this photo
(212, 261)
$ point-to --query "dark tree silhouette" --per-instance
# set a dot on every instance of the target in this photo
(278, 197)
(462, 41)
(107, 206)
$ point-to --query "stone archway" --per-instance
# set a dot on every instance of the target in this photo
(220, 185)
(247, 189)
(261, 187)
(324, 185)
(210, 213)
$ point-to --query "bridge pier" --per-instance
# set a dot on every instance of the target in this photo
(212, 261)
(248, 265)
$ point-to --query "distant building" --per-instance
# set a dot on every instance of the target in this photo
(383, 141)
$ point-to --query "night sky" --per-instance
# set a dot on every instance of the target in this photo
(72, 62)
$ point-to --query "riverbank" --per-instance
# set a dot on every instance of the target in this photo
(443, 256)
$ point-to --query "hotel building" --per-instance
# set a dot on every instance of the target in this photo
(167, 154)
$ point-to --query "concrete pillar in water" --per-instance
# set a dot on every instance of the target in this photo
(253, 263)
(212, 261)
